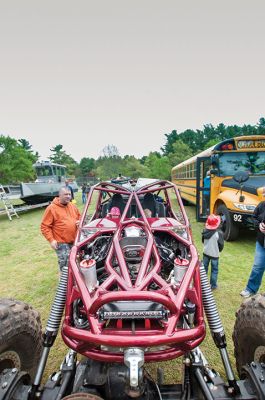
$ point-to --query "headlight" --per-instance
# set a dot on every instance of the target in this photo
(245, 207)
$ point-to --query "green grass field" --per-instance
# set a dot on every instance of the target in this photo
(29, 272)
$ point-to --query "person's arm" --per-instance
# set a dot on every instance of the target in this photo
(257, 215)
(77, 215)
(220, 240)
(46, 227)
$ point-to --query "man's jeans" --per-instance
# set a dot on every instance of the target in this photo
(258, 268)
(214, 269)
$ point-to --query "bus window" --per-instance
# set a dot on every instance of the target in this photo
(187, 171)
(193, 172)
(252, 162)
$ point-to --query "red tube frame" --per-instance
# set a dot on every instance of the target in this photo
(178, 341)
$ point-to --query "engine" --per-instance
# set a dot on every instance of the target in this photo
(133, 244)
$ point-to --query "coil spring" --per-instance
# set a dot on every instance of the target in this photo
(209, 304)
(58, 304)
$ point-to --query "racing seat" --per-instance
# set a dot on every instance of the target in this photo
(117, 201)
(150, 203)
(157, 208)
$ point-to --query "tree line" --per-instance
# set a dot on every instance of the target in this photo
(17, 156)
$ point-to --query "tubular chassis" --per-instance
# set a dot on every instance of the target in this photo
(134, 292)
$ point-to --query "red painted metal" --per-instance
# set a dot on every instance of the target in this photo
(103, 342)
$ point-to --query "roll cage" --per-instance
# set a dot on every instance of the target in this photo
(137, 299)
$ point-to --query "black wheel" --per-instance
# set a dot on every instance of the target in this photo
(228, 226)
(249, 332)
(185, 202)
(20, 336)
(82, 396)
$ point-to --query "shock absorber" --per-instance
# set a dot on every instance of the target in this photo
(51, 329)
(216, 328)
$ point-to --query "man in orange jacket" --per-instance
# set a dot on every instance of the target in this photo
(59, 225)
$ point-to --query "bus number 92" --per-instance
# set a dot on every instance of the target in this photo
(237, 218)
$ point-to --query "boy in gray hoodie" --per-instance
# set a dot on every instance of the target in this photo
(213, 240)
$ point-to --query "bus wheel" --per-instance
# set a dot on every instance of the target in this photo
(185, 202)
(229, 228)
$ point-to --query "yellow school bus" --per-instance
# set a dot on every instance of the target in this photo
(236, 181)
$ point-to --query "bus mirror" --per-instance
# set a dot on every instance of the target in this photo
(241, 176)
(215, 160)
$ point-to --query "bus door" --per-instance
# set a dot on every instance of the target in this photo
(202, 193)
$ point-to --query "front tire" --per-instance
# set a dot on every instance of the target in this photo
(20, 336)
(185, 202)
(249, 332)
(228, 226)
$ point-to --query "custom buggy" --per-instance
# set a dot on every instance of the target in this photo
(134, 292)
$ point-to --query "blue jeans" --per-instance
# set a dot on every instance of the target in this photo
(206, 203)
(83, 198)
(258, 268)
(214, 269)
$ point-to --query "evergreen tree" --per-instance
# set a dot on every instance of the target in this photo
(180, 153)
(59, 156)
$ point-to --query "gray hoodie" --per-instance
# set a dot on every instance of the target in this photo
(213, 242)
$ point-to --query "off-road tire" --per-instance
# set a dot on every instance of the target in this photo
(249, 332)
(20, 336)
(228, 226)
(82, 396)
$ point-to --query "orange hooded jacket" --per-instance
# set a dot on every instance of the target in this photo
(59, 222)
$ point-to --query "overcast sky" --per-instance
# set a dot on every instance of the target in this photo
(86, 73)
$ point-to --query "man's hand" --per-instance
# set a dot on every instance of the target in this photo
(54, 244)
(262, 227)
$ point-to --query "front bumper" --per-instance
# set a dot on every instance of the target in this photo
(241, 218)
